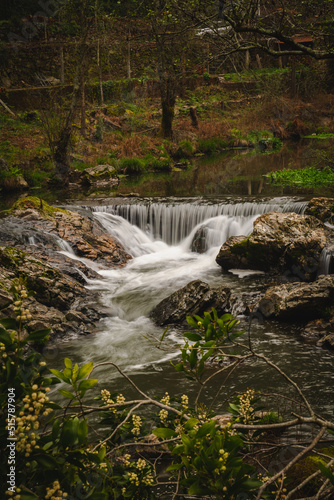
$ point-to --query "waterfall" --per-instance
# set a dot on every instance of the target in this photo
(175, 222)
(326, 261)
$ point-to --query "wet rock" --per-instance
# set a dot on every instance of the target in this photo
(320, 331)
(59, 302)
(322, 209)
(281, 242)
(84, 234)
(198, 244)
(196, 297)
(31, 236)
(298, 301)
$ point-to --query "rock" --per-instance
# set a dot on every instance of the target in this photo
(198, 244)
(31, 235)
(286, 243)
(59, 302)
(82, 232)
(298, 301)
(5, 300)
(322, 209)
(320, 331)
(99, 175)
(196, 297)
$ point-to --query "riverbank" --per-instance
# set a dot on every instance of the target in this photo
(124, 134)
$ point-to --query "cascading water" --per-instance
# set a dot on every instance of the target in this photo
(159, 236)
(172, 222)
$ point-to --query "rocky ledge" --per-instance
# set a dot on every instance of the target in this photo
(31, 236)
(281, 243)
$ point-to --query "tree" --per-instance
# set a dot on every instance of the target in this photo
(276, 27)
(81, 12)
(172, 32)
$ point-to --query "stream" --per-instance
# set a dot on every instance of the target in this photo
(158, 233)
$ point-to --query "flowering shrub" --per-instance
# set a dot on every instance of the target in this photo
(49, 451)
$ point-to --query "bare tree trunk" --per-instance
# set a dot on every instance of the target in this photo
(247, 60)
(128, 59)
(99, 63)
(168, 99)
(293, 87)
(62, 65)
(62, 168)
(83, 104)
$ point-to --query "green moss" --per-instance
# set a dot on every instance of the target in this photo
(305, 468)
(10, 257)
(257, 255)
(38, 204)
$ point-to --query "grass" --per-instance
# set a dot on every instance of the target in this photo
(305, 177)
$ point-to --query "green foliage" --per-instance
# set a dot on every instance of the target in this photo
(209, 334)
(132, 165)
(212, 145)
(64, 459)
(305, 177)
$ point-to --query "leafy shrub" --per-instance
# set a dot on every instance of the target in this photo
(305, 177)
(185, 149)
(132, 165)
(212, 145)
(62, 461)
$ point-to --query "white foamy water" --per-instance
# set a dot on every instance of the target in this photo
(159, 237)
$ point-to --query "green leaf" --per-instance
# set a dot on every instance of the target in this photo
(60, 375)
(66, 393)
(234, 409)
(326, 472)
(47, 462)
(102, 453)
(251, 484)
(193, 358)
(85, 370)
(5, 338)
(174, 467)
(191, 322)
(39, 335)
(190, 424)
(87, 384)
(68, 363)
(198, 490)
(75, 372)
(82, 431)
(194, 337)
(206, 428)
(164, 433)
(55, 429)
(69, 435)
(9, 323)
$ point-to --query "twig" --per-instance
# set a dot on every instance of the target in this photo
(300, 455)
(7, 108)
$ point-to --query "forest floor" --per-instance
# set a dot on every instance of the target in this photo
(130, 129)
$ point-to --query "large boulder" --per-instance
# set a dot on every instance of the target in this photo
(47, 224)
(196, 297)
(286, 243)
(58, 301)
(298, 301)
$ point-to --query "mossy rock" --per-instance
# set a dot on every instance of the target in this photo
(34, 203)
(305, 468)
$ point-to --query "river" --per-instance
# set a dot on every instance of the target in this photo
(158, 233)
